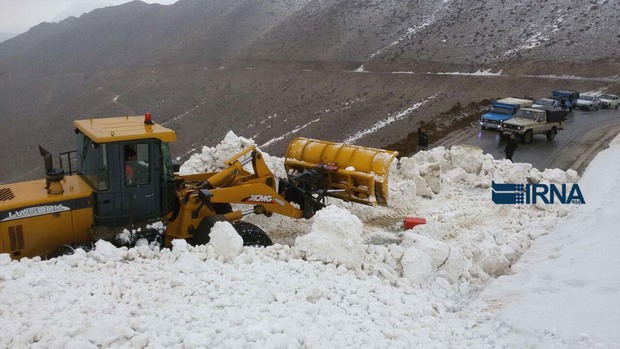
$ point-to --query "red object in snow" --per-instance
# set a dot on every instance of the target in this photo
(411, 222)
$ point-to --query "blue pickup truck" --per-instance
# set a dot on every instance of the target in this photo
(568, 97)
(502, 110)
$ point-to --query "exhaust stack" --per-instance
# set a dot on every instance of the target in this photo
(53, 176)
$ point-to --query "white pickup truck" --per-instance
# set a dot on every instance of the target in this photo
(528, 122)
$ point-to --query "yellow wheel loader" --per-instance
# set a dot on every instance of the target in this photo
(121, 176)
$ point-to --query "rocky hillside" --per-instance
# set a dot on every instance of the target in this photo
(365, 71)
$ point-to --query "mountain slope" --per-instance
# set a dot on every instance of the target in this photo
(205, 67)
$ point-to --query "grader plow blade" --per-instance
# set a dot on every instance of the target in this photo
(351, 173)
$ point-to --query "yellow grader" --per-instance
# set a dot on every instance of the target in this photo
(121, 176)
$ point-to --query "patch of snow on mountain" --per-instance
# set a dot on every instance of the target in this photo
(385, 122)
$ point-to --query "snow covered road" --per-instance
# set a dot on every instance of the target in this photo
(568, 283)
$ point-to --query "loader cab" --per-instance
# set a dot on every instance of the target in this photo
(127, 163)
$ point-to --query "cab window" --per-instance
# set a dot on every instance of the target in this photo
(168, 172)
(92, 162)
(137, 164)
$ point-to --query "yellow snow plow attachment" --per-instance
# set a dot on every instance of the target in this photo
(351, 173)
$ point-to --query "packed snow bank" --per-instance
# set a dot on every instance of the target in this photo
(483, 239)
(213, 158)
(225, 240)
(568, 284)
(336, 237)
(349, 277)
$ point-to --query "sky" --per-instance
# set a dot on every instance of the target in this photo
(17, 16)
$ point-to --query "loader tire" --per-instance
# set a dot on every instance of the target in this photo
(201, 235)
(67, 250)
(251, 234)
(222, 208)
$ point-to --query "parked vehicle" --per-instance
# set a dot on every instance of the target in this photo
(547, 103)
(609, 101)
(568, 96)
(588, 102)
(528, 122)
(501, 110)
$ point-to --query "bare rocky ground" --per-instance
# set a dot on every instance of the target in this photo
(267, 104)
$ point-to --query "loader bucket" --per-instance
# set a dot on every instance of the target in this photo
(352, 173)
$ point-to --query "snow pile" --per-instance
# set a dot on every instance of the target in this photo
(125, 237)
(465, 164)
(105, 252)
(167, 300)
(484, 239)
(159, 226)
(225, 241)
(352, 278)
(212, 158)
(566, 285)
(336, 237)
(468, 238)
(132, 237)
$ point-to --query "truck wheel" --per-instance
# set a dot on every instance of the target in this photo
(617, 105)
(527, 137)
(484, 127)
(251, 234)
(551, 134)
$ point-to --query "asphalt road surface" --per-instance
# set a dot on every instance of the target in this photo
(583, 132)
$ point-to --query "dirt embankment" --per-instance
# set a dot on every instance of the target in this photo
(455, 118)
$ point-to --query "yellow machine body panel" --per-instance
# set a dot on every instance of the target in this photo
(123, 128)
(33, 222)
(358, 174)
